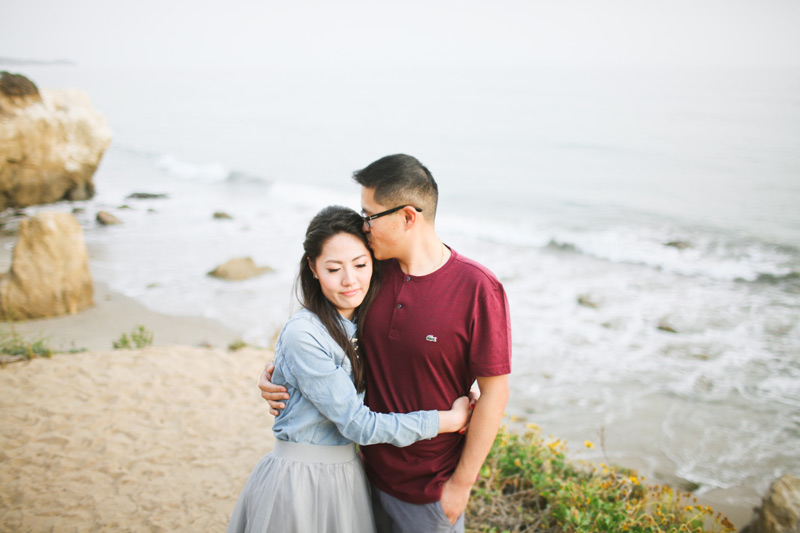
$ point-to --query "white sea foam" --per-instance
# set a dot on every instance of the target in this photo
(209, 172)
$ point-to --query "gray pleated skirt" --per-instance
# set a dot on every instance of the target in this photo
(305, 488)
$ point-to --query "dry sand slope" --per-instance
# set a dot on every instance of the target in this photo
(160, 439)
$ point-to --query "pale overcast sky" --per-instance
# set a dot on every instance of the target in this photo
(423, 32)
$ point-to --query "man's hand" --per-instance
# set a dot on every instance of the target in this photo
(273, 394)
(454, 499)
(474, 396)
(484, 424)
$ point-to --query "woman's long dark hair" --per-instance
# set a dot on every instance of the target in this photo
(329, 222)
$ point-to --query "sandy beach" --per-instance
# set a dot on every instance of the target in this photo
(158, 439)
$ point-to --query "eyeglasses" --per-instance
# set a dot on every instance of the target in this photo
(368, 219)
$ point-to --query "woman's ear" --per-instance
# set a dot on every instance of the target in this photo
(311, 268)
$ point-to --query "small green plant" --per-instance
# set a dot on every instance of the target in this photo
(140, 337)
(237, 345)
(17, 347)
(527, 484)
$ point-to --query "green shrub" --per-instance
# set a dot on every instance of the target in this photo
(527, 484)
(139, 338)
(237, 345)
(14, 345)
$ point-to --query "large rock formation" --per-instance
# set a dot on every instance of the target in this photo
(49, 273)
(51, 142)
(780, 510)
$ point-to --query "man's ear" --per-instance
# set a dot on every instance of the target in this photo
(410, 214)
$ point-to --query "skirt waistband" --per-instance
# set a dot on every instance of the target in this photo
(312, 453)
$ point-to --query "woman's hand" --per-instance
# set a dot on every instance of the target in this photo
(272, 393)
(457, 417)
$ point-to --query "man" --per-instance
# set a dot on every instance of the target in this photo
(439, 322)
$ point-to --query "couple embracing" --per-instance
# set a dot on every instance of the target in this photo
(395, 328)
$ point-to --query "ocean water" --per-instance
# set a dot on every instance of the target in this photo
(645, 224)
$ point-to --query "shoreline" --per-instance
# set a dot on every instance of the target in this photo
(112, 315)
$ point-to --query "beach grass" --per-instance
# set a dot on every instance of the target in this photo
(16, 347)
(237, 345)
(527, 484)
(140, 337)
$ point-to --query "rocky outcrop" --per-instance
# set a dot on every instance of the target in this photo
(51, 142)
(780, 510)
(107, 219)
(49, 273)
(238, 269)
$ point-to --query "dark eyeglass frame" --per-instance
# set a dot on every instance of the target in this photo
(368, 219)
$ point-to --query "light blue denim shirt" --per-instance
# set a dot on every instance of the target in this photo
(323, 406)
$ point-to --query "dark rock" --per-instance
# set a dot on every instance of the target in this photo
(680, 245)
(663, 326)
(146, 196)
(17, 86)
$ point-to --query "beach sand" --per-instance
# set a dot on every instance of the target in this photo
(157, 439)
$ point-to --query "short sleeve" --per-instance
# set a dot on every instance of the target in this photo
(490, 345)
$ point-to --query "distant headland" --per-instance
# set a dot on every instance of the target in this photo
(17, 61)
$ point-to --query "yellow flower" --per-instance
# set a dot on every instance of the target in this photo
(588, 444)
(634, 480)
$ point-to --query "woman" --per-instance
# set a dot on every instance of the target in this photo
(313, 479)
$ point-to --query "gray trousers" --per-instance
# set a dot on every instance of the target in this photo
(396, 516)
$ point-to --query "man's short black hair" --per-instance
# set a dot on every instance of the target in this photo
(401, 179)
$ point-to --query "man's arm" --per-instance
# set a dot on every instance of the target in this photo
(482, 431)
(272, 393)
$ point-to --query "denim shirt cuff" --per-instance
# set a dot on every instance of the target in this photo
(431, 424)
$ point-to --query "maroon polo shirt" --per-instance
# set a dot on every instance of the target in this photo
(427, 338)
